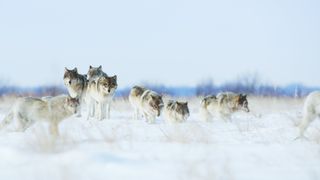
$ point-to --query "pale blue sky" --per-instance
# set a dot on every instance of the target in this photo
(172, 42)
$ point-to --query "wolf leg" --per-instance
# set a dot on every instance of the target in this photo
(96, 106)
(307, 119)
(205, 115)
(108, 110)
(22, 123)
(135, 112)
(146, 116)
(104, 110)
(54, 130)
(79, 111)
(7, 120)
(101, 111)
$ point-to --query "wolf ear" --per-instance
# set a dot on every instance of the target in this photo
(114, 77)
(243, 95)
(90, 67)
(75, 69)
(66, 69)
(100, 67)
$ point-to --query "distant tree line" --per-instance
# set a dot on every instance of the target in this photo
(248, 84)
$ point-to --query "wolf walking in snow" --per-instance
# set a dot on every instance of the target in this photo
(29, 110)
(223, 105)
(100, 94)
(147, 102)
(176, 112)
(76, 85)
(311, 111)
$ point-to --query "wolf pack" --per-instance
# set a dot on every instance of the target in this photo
(96, 91)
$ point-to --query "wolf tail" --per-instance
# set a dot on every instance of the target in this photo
(7, 120)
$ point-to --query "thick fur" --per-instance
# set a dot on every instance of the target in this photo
(29, 110)
(76, 84)
(147, 102)
(311, 111)
(176, 112)
(101, 92)
(95, 72)
(223, 105)
(135, 100)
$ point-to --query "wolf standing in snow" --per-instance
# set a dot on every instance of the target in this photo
(147, 102)
(311, 111)
(76, 85)
(176, 112)
(100, 93)
(29, 110)
(223, 105)
(93, 74)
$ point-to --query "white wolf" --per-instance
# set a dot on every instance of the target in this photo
(223, 105)
(311, 111)
(176, 112)
(29, 110)
(101, 92)
(147, 102)
(76, 85)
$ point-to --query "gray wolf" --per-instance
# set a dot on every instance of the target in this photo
(76, 84)
(176, 112)
(223, 105)
(29, 110)
(147, 102)
(95, 72)
(100, 93)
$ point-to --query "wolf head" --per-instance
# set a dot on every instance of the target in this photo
(242, 102)
(108, 84)
(70, 76)
(208, 100)
(156, 103)
(95, 72)
(183, 109)
(72, 104)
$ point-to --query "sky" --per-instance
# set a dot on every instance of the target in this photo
(171, 42)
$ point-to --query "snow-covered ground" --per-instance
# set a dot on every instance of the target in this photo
(254, 146)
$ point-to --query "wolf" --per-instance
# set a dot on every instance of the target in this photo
(223, 105)
(76, 84)
(101, 92)
(29, 110)
(311, 111)
(147, 102)
(95, 72)
(176, 112)
(135, 100)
